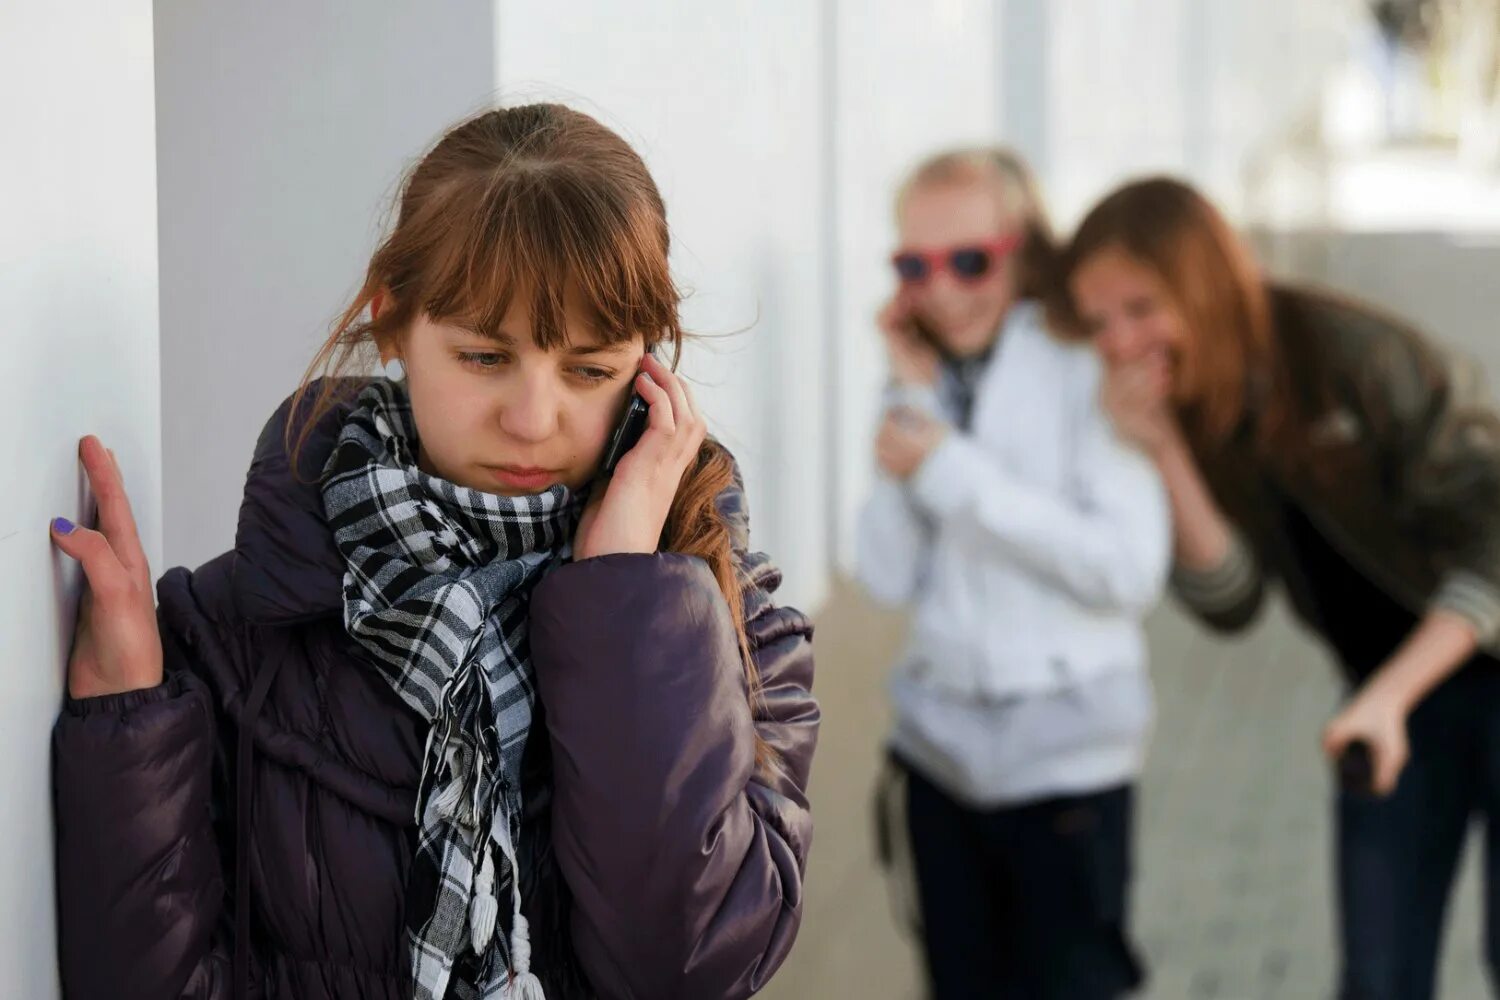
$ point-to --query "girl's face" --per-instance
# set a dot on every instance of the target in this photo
(501, 414)
(1127, 310)
(962, 313)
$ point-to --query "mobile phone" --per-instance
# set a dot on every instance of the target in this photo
(925, 334)
(1356, 769)
(627, 432)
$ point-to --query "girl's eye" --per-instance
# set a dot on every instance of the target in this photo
(594, 374)
(480, 360)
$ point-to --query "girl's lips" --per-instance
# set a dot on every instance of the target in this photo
(519, 478)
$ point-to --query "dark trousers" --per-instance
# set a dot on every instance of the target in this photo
(1397, 856)
(1024, 902)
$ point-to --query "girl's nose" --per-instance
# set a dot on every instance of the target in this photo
(530, 410)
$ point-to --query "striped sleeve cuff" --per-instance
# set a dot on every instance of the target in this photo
(1219, 588)
(1472, 598)
(922, 398)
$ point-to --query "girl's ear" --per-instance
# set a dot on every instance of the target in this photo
(377, 304)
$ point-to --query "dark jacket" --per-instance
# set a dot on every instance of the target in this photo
(655, 861)
(1399, 469)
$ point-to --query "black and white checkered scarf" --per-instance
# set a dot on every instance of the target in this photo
(437, 588)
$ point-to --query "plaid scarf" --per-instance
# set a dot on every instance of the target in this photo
(437, 589)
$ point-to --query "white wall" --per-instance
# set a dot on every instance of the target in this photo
(1184, 86)
(78, 286)
(283, 127)
(725, 103)
(912, 78)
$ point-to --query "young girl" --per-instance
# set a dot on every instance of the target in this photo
(1316, 441)
(1031, 541)
(458, 716)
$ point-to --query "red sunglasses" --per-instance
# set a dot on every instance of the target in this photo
(968, 263)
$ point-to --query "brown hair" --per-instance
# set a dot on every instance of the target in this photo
(537, 200)
(1216, 285)
(1020, 196)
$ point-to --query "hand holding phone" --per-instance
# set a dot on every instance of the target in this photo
(632, 425)
(662, 432)
(1356, 769)
(915, 355)
(629, 430)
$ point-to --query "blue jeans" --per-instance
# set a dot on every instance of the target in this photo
(1026, 902)
(1397, 856)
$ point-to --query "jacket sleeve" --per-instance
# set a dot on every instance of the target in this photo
(139, 878)
(893, 544)
(1105, 540)
(1438, 439)
(1227, 597)
(684, 860)
(893, 536)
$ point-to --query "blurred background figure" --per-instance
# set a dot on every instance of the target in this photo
(1311, 440)
(1030, 541)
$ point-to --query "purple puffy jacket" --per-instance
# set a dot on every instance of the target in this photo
(654, 861)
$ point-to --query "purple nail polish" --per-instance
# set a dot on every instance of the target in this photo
(63, 526)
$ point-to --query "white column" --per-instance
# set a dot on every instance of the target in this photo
(78, 287)
(912, 78)
(1023, 68)
(284, 127)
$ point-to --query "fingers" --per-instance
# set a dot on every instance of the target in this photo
(892, 316)
(894, 323)
(683, 409)
(896, 434)
(1335, 739)
(1389, 762)
(116, 521)
(897, 426)
(1134, 389)
(885, 442)
(1388, 753)
(903, 437)
(902, 428)
(909, 344)
(106, 576)
(888, 446)
(661, 404)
